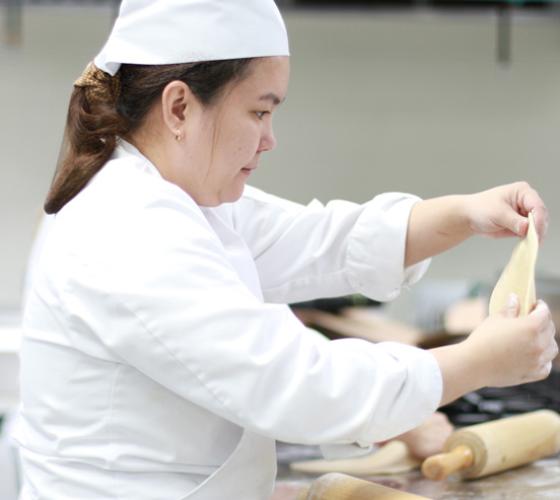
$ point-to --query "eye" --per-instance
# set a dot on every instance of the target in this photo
(261, 114)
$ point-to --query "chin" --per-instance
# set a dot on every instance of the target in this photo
(232, 194)
(232, 198)
(229, 196)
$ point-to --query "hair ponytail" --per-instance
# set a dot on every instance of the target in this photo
(103, 108)
(92, 127)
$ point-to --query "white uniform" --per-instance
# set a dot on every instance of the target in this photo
(159, 361)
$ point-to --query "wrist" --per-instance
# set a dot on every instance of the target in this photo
(464, 209)
(460, 370)
(480, 365)
(455, 215)
(435, 225)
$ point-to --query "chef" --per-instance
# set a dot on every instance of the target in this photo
(160, 360)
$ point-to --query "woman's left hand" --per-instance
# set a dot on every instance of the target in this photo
(428, 438)
(503, 211)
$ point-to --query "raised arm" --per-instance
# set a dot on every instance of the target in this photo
(305, 252)
(438, 224)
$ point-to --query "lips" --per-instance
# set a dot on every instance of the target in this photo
(252, 166)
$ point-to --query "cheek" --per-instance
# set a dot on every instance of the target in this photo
(243, 143)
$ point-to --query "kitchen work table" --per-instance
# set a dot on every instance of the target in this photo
(540, 480)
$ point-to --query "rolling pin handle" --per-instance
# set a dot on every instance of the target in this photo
(440, 466)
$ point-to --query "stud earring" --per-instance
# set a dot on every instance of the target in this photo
(178, 136)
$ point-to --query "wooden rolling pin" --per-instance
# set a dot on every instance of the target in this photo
(335, 486)
(484, 449)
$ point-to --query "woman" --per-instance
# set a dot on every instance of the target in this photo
(160, 361)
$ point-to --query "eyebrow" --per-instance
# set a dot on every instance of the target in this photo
(271, 96)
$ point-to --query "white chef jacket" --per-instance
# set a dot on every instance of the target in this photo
(161, 362)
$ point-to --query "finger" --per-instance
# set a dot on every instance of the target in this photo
(540, 216)
(530, 201)
(542, 319)
(527, 198)
(504, 233)
(541, 314)
(545, 370)
(551, 330)
(552, 351)
(513, 221)
(546, 344)
(541, 309)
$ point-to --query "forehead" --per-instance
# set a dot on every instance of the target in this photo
(266, 80)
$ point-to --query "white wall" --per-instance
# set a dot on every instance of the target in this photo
(378, 101)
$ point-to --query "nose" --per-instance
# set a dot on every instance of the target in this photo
(268, 140)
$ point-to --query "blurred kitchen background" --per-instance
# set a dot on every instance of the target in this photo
(428, 97)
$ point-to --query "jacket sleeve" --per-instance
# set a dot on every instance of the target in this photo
(167, 301)
(307, 252)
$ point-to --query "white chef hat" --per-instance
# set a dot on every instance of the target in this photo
(182, 31)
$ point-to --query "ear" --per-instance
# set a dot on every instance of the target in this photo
(175, 99)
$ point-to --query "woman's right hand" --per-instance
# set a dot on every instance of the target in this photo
(514, 350)
(504, 350)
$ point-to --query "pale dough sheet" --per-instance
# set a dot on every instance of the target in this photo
(519, 275)
(392, 458)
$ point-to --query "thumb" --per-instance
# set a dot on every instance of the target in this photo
(516, 223)
(511, 309)
(541, 311)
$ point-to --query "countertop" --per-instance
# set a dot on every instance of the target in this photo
(540, 480)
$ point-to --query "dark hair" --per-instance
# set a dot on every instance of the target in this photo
(94, 123)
